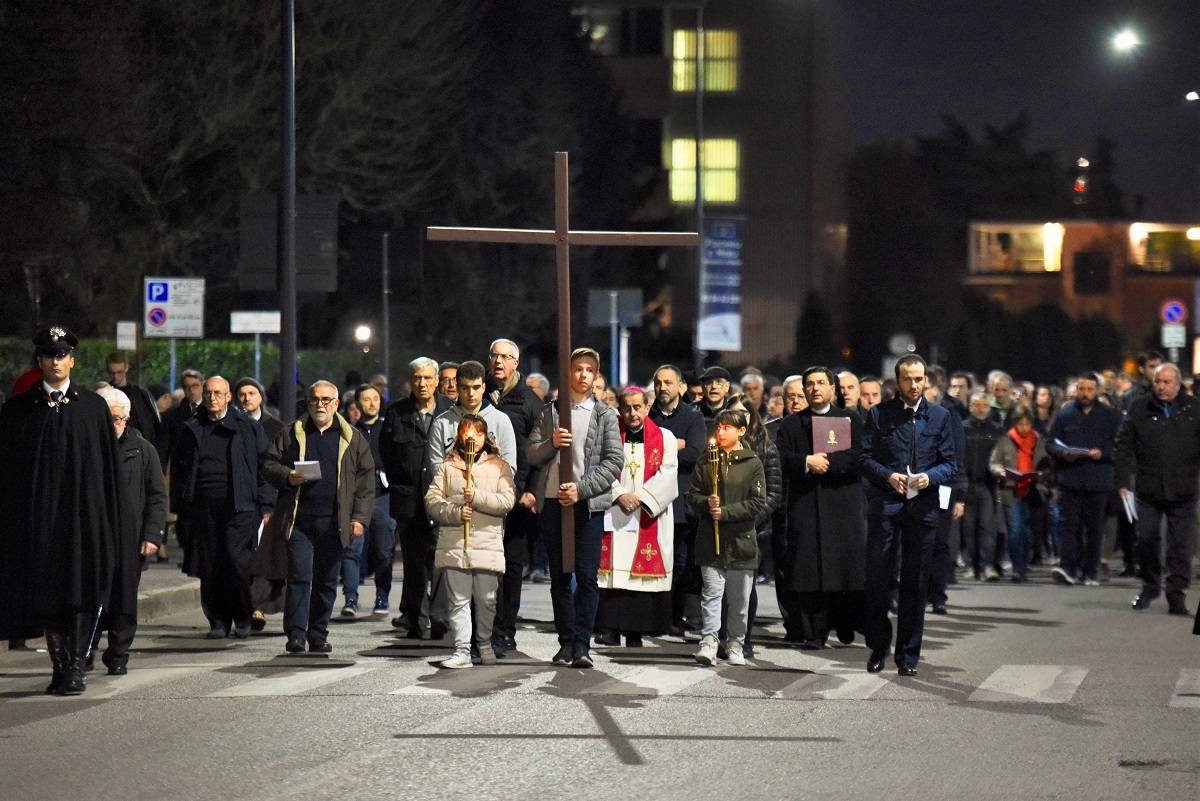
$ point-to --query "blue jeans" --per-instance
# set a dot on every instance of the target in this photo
(574, 609)
(353, 565)
(380, 545)
(314, 557)
(1020, 543)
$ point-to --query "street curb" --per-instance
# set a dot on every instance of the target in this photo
(152, 606)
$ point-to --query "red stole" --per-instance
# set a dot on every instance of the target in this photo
(647, 557)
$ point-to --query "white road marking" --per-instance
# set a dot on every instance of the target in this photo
(292, 683)
(1043, 684)
(1187, 690)
(655, 680)
(834, 685)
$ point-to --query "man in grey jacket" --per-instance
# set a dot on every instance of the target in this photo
(597, 460)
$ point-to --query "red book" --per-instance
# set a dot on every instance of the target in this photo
(830, 434)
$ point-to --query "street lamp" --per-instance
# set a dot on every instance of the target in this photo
(1192, 95)
(1125, 41)
(362, 335)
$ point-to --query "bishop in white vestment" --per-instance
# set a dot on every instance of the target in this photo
(637, 550)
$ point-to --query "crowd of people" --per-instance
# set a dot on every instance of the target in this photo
(652, 511)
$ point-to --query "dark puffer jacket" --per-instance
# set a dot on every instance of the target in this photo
(743, 491)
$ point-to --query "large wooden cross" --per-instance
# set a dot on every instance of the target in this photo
(562, 237)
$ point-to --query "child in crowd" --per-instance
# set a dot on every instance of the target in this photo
(731, 508)
(473, 563)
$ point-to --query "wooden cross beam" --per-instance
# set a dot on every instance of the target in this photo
(562, 237)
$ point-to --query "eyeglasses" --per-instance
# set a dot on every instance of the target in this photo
(504, 357)
(322, 401)
(208, 393)
(119, 419)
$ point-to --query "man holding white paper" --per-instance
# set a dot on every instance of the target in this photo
(1158, 471)
(908, 451)
(322, 509)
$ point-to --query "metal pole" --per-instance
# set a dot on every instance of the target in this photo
(174, 362)
(258, 358)
(287, 221)
(699, 357)
(613, 332)
(387, 339)
(624, 356)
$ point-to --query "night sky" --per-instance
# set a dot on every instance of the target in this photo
(909, 61)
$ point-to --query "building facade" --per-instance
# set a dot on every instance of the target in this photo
(771, 150)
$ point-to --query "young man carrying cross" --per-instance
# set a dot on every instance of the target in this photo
(598, 459)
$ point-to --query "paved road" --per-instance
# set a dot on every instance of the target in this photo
(1027, 692)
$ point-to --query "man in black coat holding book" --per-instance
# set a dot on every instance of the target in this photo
(819, 450)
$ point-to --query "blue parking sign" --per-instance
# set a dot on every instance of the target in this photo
(156, 291)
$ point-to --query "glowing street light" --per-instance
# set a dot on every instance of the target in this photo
(1192, 95)
(1126, 41)
(362, 335)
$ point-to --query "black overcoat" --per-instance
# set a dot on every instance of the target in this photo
(63, 502)
(826, 527)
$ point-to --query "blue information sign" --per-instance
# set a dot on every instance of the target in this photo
(719, 326)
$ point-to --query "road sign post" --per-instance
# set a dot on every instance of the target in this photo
(174, 309)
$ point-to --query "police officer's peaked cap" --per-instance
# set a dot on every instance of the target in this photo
(55, 340)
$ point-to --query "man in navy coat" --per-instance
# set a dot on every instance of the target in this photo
(908, 454)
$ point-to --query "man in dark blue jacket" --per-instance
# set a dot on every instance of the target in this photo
(908, 453)
(1158, 461)
(1081, 441)
(224, 499)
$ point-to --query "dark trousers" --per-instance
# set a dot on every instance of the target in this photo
(942, 559)
(1181, 544)
(223, 541)
(899, 537)
(979, 526)
(574, 610)
(685, 575)
(519, 525)
(416, 551)
(121, 629)
(314, 562)
(1082, 531)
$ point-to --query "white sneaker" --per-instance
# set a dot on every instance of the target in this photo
(736, 657)
(707, 655)
(1091, 583)
(991, 574)
(1061, 576)
(461, 659)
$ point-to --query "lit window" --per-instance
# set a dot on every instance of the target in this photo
(720, 163)
(720, 61)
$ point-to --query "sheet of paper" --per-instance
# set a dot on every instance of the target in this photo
(912, 491)
(383, 479)
(943, 496)
(310, 470)
(1127, 500)
(616, 520)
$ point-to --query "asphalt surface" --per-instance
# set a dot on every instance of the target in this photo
(1024, 692)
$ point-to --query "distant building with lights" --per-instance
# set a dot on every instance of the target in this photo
(772, 147)
(1123, 271)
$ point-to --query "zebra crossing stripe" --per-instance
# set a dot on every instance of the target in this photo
(292, 683)
(1187, 690)
(834, 685)
(655, 680)
(1043, 684)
